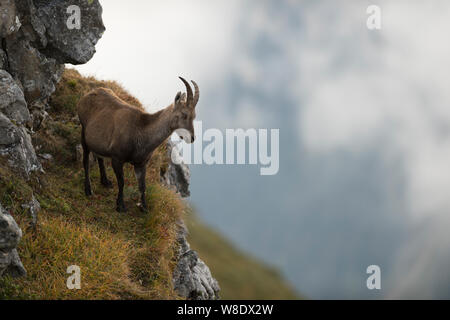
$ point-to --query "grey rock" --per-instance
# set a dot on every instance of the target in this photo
(11, 265)
(10, 235)
(12, 100)
(34, 24)
(192, 277)
(75, 46)
(177, 175)
(40, 42)
(15, 143)
(33, 208)
(46, 156)
(37, 73)
(10, 232)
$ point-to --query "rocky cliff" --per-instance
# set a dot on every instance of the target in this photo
(10, 235)
(37, 38)
(192, 277)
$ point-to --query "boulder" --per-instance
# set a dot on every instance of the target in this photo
(15, 144)
(70, 45)
(33, 207)
(37, 73)
(177, 174)
(12, 100)
(192, 278)
(38, 41)
(10, 235)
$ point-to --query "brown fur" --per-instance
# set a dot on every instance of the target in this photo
(113, 128)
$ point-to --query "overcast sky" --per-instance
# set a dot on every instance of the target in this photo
(364, 119)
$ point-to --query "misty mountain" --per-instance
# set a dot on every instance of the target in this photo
(340, 201)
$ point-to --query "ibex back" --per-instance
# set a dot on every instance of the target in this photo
(114, 129)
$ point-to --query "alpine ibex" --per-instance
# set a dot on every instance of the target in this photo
(114, 129)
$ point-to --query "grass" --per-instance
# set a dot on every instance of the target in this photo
(121, 256)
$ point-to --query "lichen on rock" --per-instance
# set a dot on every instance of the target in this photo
(177, 174)
(10, 235)
(16, 145)
(12, 100)
(68, 45)
(192, 277)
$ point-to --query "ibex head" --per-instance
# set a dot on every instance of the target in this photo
(184, 112)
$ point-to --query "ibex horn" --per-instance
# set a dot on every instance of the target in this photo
(197, 93)
(189, 91)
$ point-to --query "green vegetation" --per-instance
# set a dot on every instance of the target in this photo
(121, 256)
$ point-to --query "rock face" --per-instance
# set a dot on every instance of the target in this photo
(15, 142)
(192, 277)
(33, 208)
(10, 235)
(41, 35)
(63, 43)
(36, 38)
(12, 100)
(37, 73)
(177, 174)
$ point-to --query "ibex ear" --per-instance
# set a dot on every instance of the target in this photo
(178, 97)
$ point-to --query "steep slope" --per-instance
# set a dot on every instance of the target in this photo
(121, 256)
